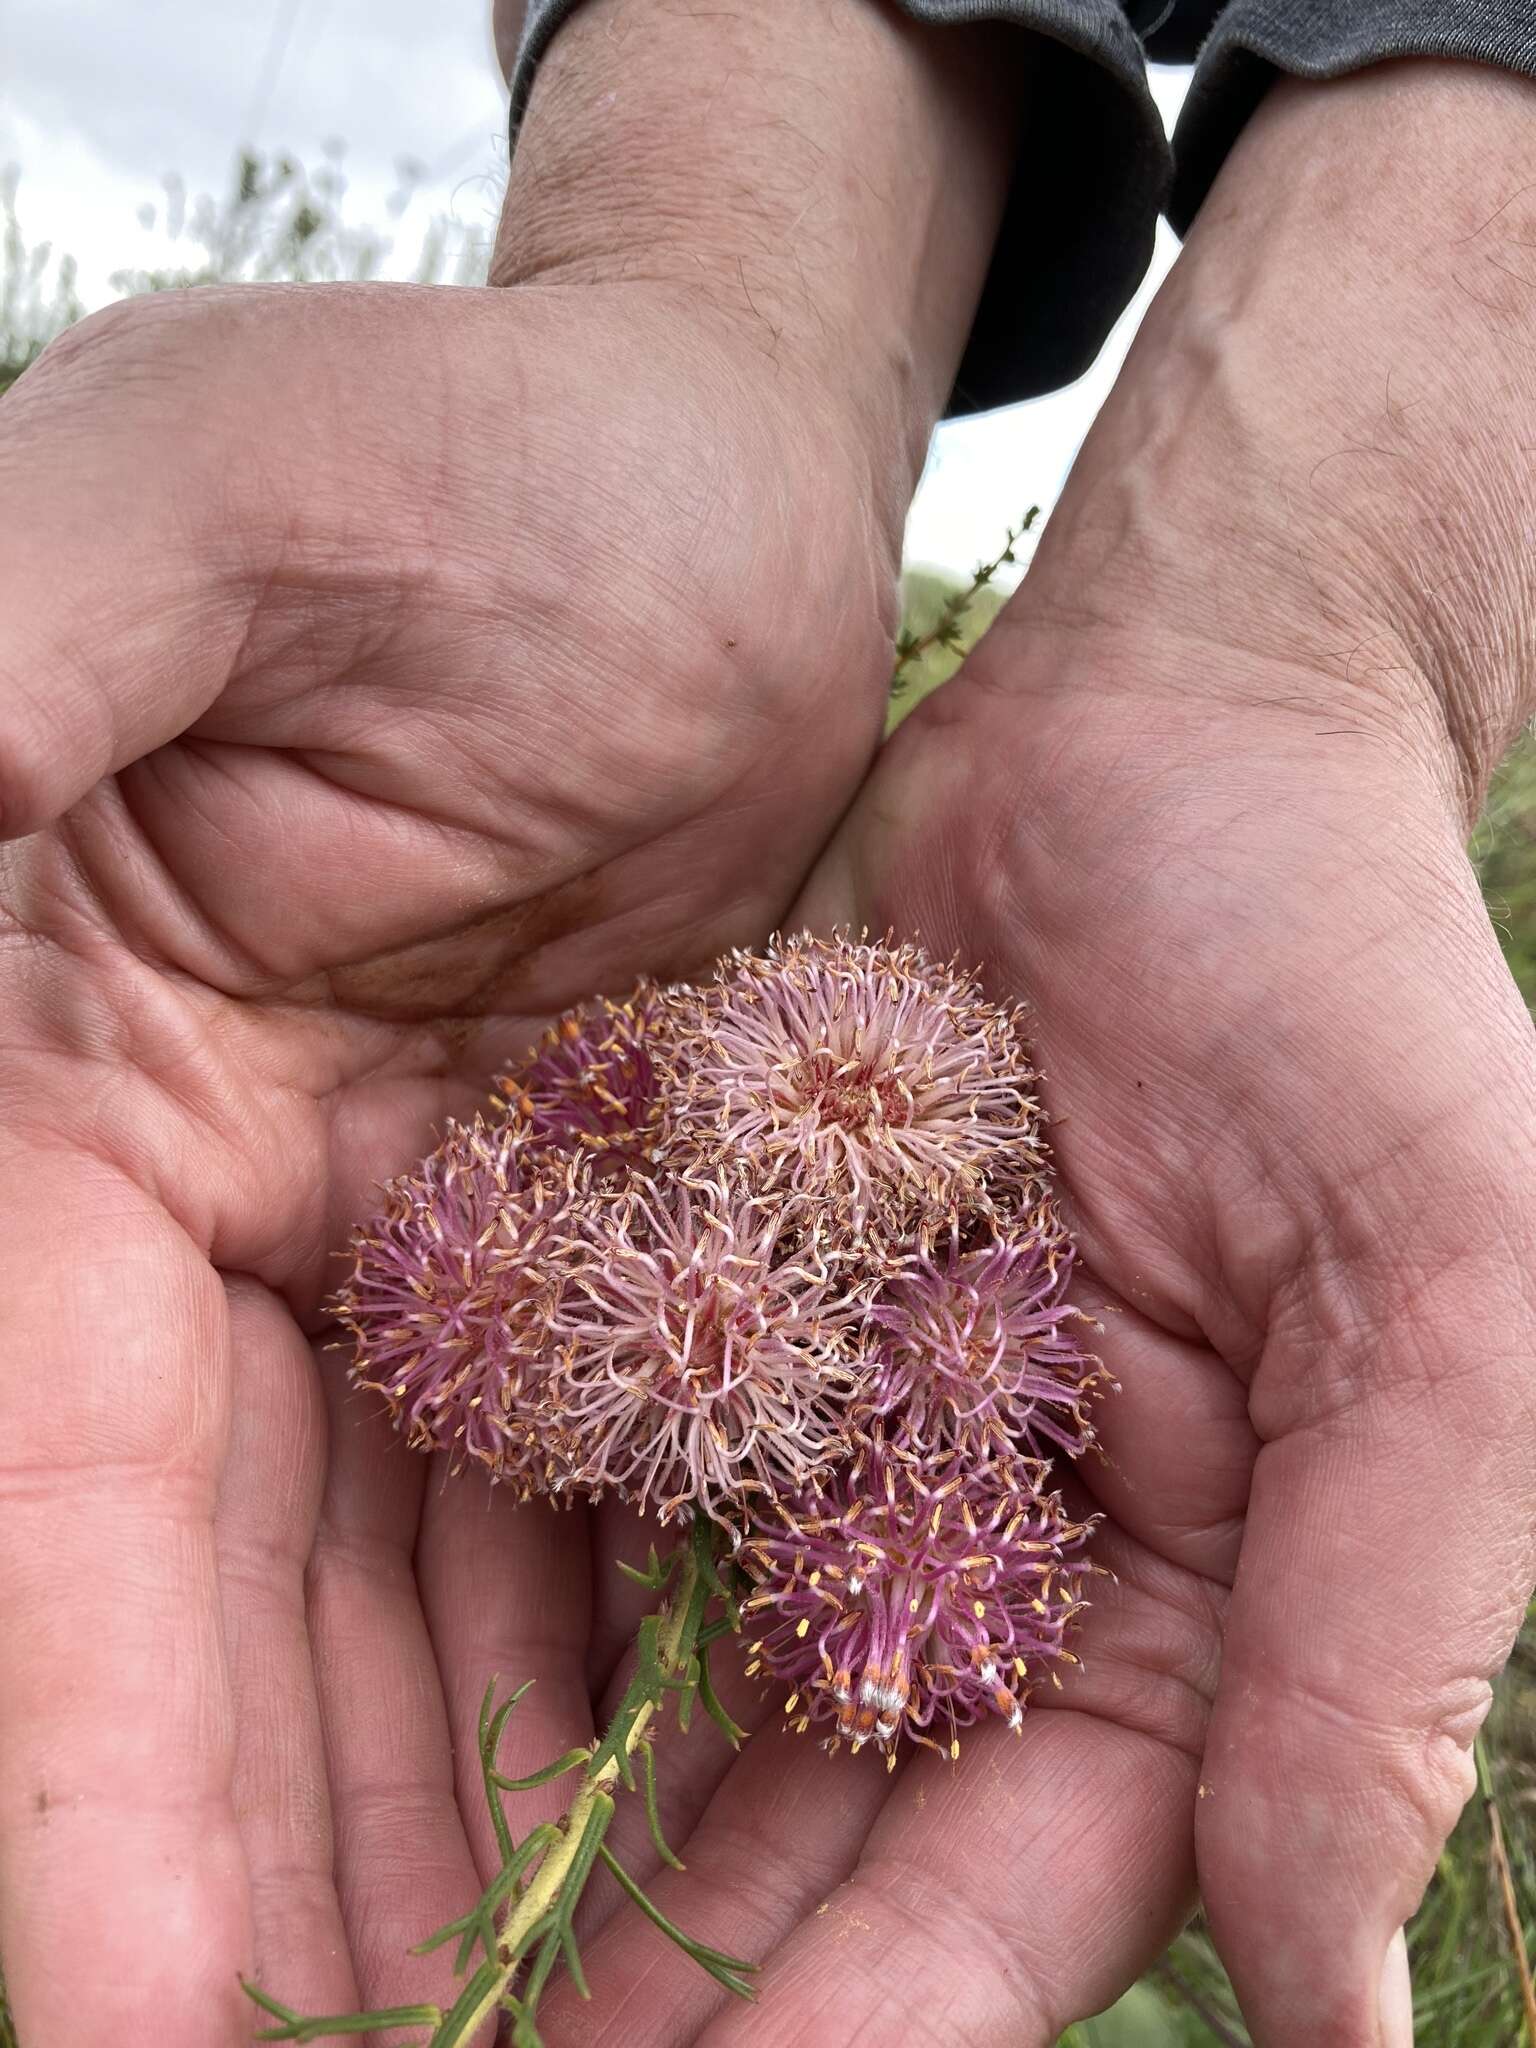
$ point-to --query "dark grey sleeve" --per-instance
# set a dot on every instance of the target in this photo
(1078, 226)
(1253, 42)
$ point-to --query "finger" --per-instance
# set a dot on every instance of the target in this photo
(506, 1593)
(150, 629)
(403, 1861)
(1384, 1569)
(123, 1893)
(995, 1899)
(783, 1829)
(269, 1503)
(1175, 1447)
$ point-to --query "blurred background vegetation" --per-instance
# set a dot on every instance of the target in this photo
(280, 221)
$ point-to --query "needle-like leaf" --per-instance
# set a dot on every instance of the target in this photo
(730, 1971)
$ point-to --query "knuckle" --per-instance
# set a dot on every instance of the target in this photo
(1395, 1774)
(114, 340)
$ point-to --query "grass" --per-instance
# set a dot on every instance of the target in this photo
(277, 221)
(1504, 851)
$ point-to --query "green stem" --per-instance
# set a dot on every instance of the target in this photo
(526, 1916)
(580, 1831)
(946, 629)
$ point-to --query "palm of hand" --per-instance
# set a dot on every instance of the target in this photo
(444, 755)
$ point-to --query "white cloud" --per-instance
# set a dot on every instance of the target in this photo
(100, 99)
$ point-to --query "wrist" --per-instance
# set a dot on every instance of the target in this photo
(822, 185)
(1317, 461)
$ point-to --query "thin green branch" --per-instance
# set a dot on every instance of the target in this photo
(1508, 1899)
(1200, 2006)
(572, 1760)
(491, 1726)
(947, 631)
(295, 2028)
(734, 1734)
(525, 1919)
(653, 1811)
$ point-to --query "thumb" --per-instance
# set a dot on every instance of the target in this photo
(1388, 1550)
(200, 486)
(118, 619)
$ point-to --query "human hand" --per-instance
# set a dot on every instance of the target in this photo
(380, 670)
(1201, 797)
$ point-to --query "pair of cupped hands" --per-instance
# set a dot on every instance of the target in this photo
(384, 669)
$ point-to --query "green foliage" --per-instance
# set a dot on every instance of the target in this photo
(276, 222)
(523, 1926)
(279, 222)
(1504, 851)
(943, 618)
(37, 301)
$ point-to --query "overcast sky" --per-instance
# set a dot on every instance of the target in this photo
(100, 98)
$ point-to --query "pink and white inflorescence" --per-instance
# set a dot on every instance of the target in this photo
(862, 1076)
(909, 1599)
(451, 1296)
(980, 1350)
(705, 1348)
(779, 1251)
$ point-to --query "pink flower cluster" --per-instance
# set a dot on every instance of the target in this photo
(779, 1250)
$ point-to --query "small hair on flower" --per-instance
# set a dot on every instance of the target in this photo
(706, 1347)
(451, 1297)
(859, 1075)
(979, 1348)
(589, 1088)
(907, 1600)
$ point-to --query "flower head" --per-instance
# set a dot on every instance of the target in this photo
(451, 1296)
(590, 1087)
(861, 1076)
(705, 1349)
(981, 1350)
(907, 1599)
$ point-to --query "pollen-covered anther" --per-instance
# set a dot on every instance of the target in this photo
(925, 1638)
(706, 1354)
(451, 1296)
(862, 1077)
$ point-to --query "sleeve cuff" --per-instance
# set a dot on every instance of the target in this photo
(1255, 41)
(1078, 225)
